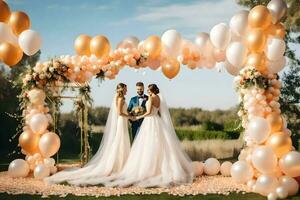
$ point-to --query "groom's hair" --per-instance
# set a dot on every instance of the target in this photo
(139, 84)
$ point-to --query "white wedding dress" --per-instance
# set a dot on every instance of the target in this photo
(156, 158)
(110, 157)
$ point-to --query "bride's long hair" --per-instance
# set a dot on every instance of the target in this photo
(120, 90)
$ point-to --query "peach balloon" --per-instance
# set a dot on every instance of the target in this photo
(290, 164)
(280, 142)
(259, 17)
(256, 40)
(82, 45)
(49, 144)
(170, 68)
(275, 122)
(10, 54)
(19, 22)
(257, 60)
(29, 142)
(100, 46)
(277, 30)
(5, 12)
(152, 46)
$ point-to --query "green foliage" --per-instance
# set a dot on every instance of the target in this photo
(212, 126)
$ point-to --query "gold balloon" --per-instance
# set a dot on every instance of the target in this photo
(100, 46)
(257, 60)
(280, 142)
(82, 45)
(19, 22)
(10, 54)
(259, 17)
(152, 45)
(170, 68)
(256, 40)
(277, 30)
(29, 142)
(4, 12)
(275, 121)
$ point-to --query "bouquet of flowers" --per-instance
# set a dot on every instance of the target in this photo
(137, 111)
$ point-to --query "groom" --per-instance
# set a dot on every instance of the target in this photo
(139, 100)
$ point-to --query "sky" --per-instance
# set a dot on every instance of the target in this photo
(60, 21)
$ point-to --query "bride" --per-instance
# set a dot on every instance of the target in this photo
(114, 148)
(156, 158)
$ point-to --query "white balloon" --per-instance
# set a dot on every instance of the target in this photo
(241, 171)
(239, 22)
(282, 192)
(30, 42)
(276, 66)
(201, 40)
(18, 168)
(36, 96)
(290, 184)
(275, 48)
(226, 168)
(258, 129)
(171, 43)
(211, 167)
(236, 54)
(266, 184)
(38, 123)
(6, 34)
(220, 36)
(272, 196)
(41, 171)
(198, 168)
(264, 159)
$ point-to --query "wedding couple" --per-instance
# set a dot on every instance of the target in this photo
(155, 158)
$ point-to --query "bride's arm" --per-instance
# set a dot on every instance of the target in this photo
(120, 108)
(148, 110)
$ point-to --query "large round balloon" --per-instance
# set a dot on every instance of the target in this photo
(259, 17)
(280, 142)
(10, 54)
(236, 54)
(201, 40)
(220, 36)
(290, 164)
(211, 166)
(275, 121)
(274, 67)
(170, 67)
(82, 45)
(19, 22)
(41, 171)
(257, 60)
(152, 46)
(239, 22)
(6, 34)
(198, 168)
(30, 42)
(226, 168)
(171, 43)
(100, 46)
(18, 168)
(36, 96)
(29, 142)
(49, 144)
(275, 49)
(256, 40)
(264, 159)
(241, 171)
(38, 123)
(234, 71)
(278, 9)
(5, 12)
(266, 184)
(258, 129)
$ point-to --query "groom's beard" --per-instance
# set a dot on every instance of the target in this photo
(140, 93)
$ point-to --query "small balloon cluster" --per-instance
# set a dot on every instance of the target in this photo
(15, 36)
(212, 167)
(36, 142)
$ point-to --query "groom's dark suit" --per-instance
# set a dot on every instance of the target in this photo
(137, 101)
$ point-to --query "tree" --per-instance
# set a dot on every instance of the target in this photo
(290, 92)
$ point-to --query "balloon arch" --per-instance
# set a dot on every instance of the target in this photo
(251, 47)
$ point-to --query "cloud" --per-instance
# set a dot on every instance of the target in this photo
(79, 7)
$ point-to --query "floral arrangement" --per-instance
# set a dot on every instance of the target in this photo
(138, 111)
